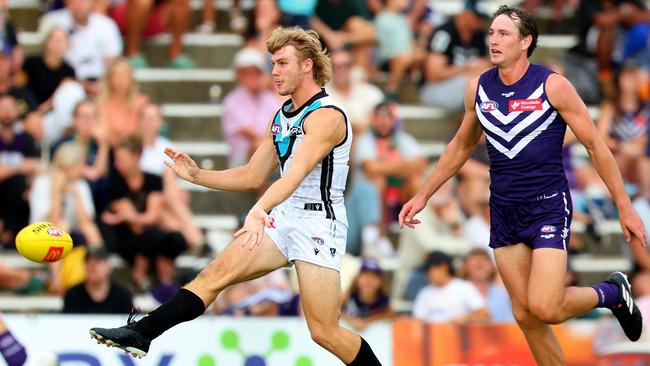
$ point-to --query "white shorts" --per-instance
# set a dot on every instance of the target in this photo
(309, 239)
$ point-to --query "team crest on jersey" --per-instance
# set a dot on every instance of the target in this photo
(489, 106)
(548, 229)
(275, 129)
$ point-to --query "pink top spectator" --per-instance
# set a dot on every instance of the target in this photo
(241, 108)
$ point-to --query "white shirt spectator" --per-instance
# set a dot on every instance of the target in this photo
(153, 157)
(40, 200)
(478, 233)
(443, 304)
(359, 103)
(90, 46)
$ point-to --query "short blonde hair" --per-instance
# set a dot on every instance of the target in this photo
(67, 154)
(308, 46)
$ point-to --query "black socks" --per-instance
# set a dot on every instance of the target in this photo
(365, 357)
(184, 306)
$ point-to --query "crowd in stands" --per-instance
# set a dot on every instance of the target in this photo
(81, 146)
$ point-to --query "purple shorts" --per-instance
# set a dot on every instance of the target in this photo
(539, 224)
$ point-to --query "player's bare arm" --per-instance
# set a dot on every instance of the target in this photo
(248, 177)
(566, 100)
(452, 159)
(324, 129)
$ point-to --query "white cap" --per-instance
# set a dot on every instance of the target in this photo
(247, 57)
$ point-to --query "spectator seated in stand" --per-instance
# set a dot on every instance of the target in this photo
(176, 214)
(87, 132)
(18, 165)
(457, 52)
(624, 124)
(391, 159)
(98, 294)
(395, 51)
(480, 271)
(446, 298)
(359, 98)
(85, 27)
(367, 300)
(145, 18)
(120, 104)
(340, 24)
(248, 107)
(132, 223)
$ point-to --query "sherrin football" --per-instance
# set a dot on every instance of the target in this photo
(43, 242)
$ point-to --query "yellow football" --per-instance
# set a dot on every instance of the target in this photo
(43, 242)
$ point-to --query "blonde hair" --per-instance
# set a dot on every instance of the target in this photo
(308, 46)
(106, 81)
(67, 154)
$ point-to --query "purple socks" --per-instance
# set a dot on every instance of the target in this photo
(12, 351)
(607, 294)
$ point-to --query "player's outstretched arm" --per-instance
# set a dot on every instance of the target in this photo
(565, 99)
(324, 129)
(452, 159)
(248, 177)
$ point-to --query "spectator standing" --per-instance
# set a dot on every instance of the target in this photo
(94, 40)
(447, 298)
(18, 164)
(246, 109)
(98, 294)
(457, 52)
(357, 96)
(367, 300)
(120, 104)
(144, 18)
(480, 271)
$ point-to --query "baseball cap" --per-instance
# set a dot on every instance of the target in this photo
(247, 57)
(370, 265)
(98, 252)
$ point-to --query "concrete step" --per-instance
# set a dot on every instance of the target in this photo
(26, 13)
(202, 122)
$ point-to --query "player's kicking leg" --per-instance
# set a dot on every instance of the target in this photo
(535, 281)
(234, 265)
(320, 294)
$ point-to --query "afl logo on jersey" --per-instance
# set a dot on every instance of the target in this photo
(489, 106)
(275, 129)
(548, 229)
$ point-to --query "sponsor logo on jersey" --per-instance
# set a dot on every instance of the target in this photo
(565, 232)
(295, 131)
(489, 106)
(313, 206)
(53, 254)
(318, 240)
(333, 252)
(508, 94)
(525, 105)
(55, 232)
(272, 222)
(548, 229)
(275, 129)
(547, 236)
